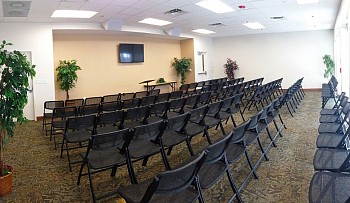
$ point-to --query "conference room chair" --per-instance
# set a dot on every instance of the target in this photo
(154, 92)
(334, 140)
(111, 106)
(126, 96)
(145, 141)
(48, 112)
(89, 109)
(93, 100)
(131, 103)
(337, 118)
(74, 102)
(334, 160)
(104, 152)
(163, 97)
(191, 102)
(264, 123)
(175, 95)
(176, 107)
(76, 135)
(212, 118)
(148, 100)
(341, 101)
(216, 166)
(135, 116)
(158, 112)
(236, 107)
(334, 127)
(184, 88)
(168, 186)
(204, 98)
(111, 98)
(110, 121)
(140, 94)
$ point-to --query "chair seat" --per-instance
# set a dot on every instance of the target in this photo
(193, 129)
(78, 136)
(139, 148)
(211, 121)
(110, 158)
(211, 174)
(59, 124)
(329, 140)
(134, 193)
(328, 118)
(171, 114)
(328, 127)
(48, 115)
(224, 115)
(106, 129)
(131, 124)
(171, 138)
(234, 152)
(328, 112)
(154, 119)
(326, 187)
(330, 159)
(250, 137)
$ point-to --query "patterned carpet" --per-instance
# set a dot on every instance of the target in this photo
(42, 176)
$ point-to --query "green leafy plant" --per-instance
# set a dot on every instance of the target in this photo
(182, 66)
(230, 68)
(160, 80)
(330, 67)
(15, 71)
(67, 75)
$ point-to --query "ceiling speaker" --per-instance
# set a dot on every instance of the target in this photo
(113, 25)
(175, 31)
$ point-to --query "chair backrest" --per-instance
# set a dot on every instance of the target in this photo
(154, 92)
(137, 113)
(214, 108)
(217, 150)
(126, 96)
(177, 104)
(238, 133)
(140, 94)
(81, 123)
(169, 182)
(109, 118)
(159, 109)
(178, 123)
(89, 109)
(111, 106)
(152, 131)
(111, 98)
(227, 102)
(192, 100)
(193, 86)
(163, 97)
(65, 112)
(131, 103)
(175, 94)
(204, 98)
(92, 100)
(148, 100)
(184, 88)
(74, 102)
(53, 104)
(198, 114)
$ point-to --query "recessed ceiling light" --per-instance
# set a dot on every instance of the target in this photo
(215, 6)
(203, 31)
(73, 14)
(307, 1)
(254, 25)
(153, 21)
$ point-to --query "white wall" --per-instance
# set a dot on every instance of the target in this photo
(272, 56)
(203, 44)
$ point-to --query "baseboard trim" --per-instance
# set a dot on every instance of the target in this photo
(40, 118)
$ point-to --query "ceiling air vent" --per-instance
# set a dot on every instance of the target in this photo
(216, 25)
(175, 12)
(16, 8)
(277, 17)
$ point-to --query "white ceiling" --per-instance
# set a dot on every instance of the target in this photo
(131, 11)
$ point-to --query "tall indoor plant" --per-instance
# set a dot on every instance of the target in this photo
(67, 75)
(230, 68)
(182, 66)
(330, 67)
(15, 71)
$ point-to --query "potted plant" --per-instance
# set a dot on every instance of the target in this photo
(67, 75)
(230, 68)
(330, 68)
(15, 71)
(182, 66)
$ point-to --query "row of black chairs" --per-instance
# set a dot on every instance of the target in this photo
(292, 97)
(174, 131)
(332, 160)
(329, 90)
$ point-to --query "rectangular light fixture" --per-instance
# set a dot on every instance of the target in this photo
(203, 31)
(73, 14)
(307, 1)
(254, 25)
(215, 6)
(153, 21)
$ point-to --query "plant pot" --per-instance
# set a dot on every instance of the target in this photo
(6, 182)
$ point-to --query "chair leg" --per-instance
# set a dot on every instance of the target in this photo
(270, 136)
(165, 159)
(130, 168)
(262, 149)
(68, 156)
(169, 150)
(250, 164)
(189, 146)
(80, 172)
(233, 186)
(91, 186)
(207, 136)
(145, 160)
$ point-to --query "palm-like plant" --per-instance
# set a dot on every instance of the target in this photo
(182, 66)
(67, 75)
(330, 67)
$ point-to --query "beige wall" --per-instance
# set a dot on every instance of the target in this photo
(102, 73)
(187, 50)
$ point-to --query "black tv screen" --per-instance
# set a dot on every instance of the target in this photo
(131, 53)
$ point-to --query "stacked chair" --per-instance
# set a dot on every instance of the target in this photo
(330, 183)
(119, 130)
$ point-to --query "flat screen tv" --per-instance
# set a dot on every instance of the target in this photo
(131, 53)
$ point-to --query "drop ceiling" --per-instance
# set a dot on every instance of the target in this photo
(290, 15)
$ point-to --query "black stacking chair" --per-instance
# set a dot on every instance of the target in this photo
(212, 119)
(76, 135)
(59, 119)
(136, 116)
(148, 100)
(175, 95)
(111, 98)
(126, 96)
(215, 166)
(184, 88)
(145, 142)
(275, 112)
(89, 109)
(177, 186)
(163, 97)
(271, 113)
(237, 147)
(111, 106)
(157, 112)
(110, 121)
(326, 187)
(191, 102)
(74, 102)
(131, 103)
(174, 132)
(154, 92)
(192, 88)
(335, 160)
(48, 112)
(204, 99)
(196, 125)
(334, 140)
(176, 107)
(337, 105)
(337, 118)
(236, 107)
(334, 127)
(93, 100)
(104, 152)
(263, 124)
(225, 111)
(140, 94)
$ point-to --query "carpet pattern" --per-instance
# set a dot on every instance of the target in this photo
(42, 176)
